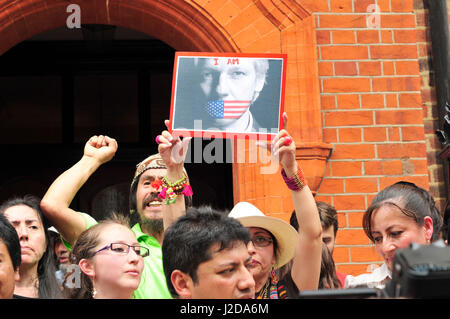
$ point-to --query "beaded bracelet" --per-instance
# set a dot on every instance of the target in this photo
(296, 182)
(170, 190)
(177, 186)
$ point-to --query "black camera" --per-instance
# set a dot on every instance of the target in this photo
(420, 271)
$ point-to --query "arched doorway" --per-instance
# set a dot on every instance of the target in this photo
(62, 86)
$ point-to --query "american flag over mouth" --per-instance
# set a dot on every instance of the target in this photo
(227, 109)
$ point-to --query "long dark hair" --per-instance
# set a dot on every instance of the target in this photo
(48, 284)
(8, 236)
(412, 200)
(328, 278)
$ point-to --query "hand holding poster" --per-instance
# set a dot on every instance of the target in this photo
(227, 95)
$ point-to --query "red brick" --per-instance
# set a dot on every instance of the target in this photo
(421, 181)
(344, 85)
(325, 68)
(420, 166)
(345, 68)
(398, 117)
(330, 135)
(353, 152)
(373, 168)
(348, 117)
(372, 100)
(391, 100)
(410, 100)
(388, 68)
(398, 21)
(351, 237)
(341, 6)
(385, 5)
(369, 68)
(413, 133)
(342, 220)
(361, 185)
(368, 36)
(323, 37)
(343, 21)
(355, 219)
(374, 134)
(362, 5)
(348, 101)
(423, 36)
(396, 84)
(393, 52)
(387, 36)
(405, 36)
(343, 37)
(364, 254)
(342, 254)
(332, 186)
(407, 67)
(348, 135)
(346, 168)
(344, 52)
(392, 167)
(402, 6)
(400, 150)
(394, 134)
(384, 167)
(323, 198)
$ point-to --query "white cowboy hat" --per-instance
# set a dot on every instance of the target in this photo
(53, 229)
(285, 234)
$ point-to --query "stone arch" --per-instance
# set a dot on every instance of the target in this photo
(177, 23)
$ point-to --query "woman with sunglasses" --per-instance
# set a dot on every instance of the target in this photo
(274, 242)
(110, 262)
(401, 214)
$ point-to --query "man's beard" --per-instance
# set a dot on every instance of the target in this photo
(153, 226)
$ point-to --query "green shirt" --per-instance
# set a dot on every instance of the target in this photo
(153, 282)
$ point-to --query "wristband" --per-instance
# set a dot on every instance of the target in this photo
(296, 182)
(171, 191)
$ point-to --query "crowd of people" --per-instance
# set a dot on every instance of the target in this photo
(166, 248)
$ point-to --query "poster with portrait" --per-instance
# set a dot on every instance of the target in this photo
(227, 95)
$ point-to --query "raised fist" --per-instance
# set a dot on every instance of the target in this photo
(102, 148)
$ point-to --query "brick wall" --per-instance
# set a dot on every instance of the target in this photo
(371, 98)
